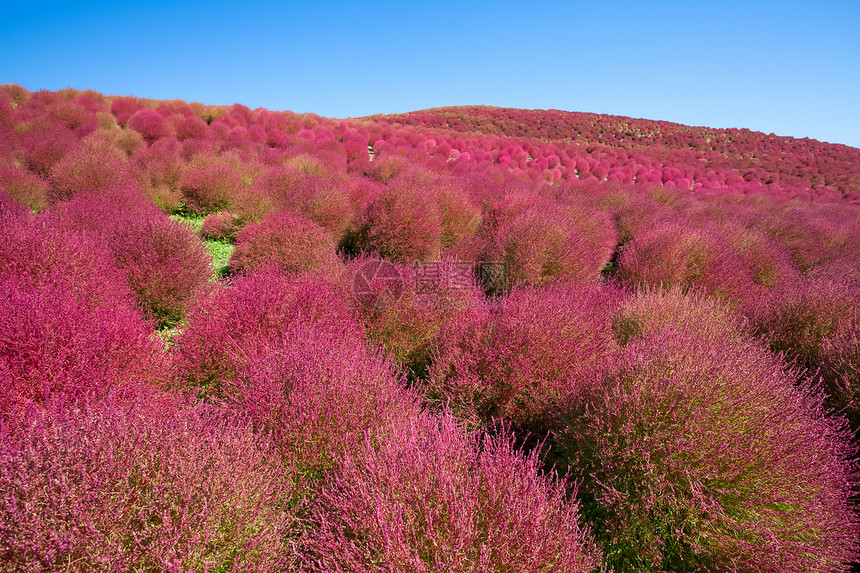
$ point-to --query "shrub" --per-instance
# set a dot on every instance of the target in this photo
(44, 145)
(130, 484)
(540, 245)
(768, 262)
(672, 254)
(123, 108)
(706, 457)
(54, 342)
(210, 188)
(319, 200)
(402, 224)
(255, 308)
(192, 127)
(316, 394)
(221, 226)
(288, 242)
(86, 169)
(797, 317)
(653, 310)
(163, 261)
(150, 124)
(406, 323)
(460, 219)
(806, 235)
(435, 498)
(27, 188)
(516, 359)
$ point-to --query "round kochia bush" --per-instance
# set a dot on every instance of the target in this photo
(288, 242)
(134, 484)
(316, 393)
(549, 242)
(223, 330)
(163, 261)
(517, 359)
(432, 497)
(672, 254)
(707, 457)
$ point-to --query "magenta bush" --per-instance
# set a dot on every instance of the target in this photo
(402, 224)
(87, 169)
(706, 456)
(192, 127)
(316, 394)
(516, 359)
(44, 144)
(673, 254)
(150, 124)
(432, 497)
(314, 198)
(210, 188)
(539, 245)
(25, 187)
(132, 484)
(223, 226)
(54, 342)
(163, 261)
(652, 310)
(255, 308)
(286, 241)
(406, 323)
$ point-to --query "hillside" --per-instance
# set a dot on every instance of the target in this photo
(463, 339)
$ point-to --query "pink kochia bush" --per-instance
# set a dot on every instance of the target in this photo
(407, 323)
(815, 323)
(68, 325)
(315, 393)
(288, 242)
(549, 242)
(136, 483)
(515, 360)
(707, 456)
(433, 497)
(163, 261)
(234, 321)
(672, 254)
(210, 188)
(402, 224)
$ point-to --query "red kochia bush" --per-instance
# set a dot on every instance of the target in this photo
(87, 169)
(517, 359)
(432, 497)
(705, 456)
(44, 145)
(163, 261)
(672, 254)
(407, 322)
(221, 226)
(211, 188)
(316, 393)
(255, 308)
(553, 242)
(403, 223)
(54, 343)
(27, 188)
(150, 124)
(288, 242)
(134, 484)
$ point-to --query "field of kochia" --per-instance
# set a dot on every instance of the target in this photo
(466, 339)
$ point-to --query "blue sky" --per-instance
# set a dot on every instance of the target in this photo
(792, 68)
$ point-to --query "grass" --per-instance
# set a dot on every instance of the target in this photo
(219, 250)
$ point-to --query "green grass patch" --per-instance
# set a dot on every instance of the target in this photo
(220, 251)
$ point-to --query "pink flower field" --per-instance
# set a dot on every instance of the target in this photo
(463, 339)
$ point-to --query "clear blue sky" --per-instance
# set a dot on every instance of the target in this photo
(788, 67)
